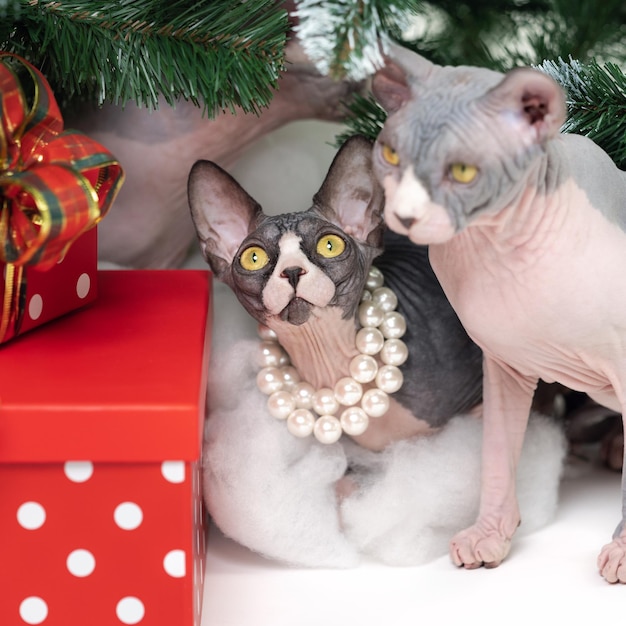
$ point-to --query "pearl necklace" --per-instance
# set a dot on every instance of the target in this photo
(307, 410)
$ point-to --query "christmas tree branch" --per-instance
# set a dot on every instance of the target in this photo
(220, 54)
(346, 38)
(596, 102)
(364, 117)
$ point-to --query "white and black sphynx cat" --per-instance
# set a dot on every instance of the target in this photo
(311, 301)
(254, 469)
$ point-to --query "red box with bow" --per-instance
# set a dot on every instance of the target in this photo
(101, 418)
(55, 186)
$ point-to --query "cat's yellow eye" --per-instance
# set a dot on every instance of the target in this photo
(253, 258)
(330, 246)
(390, 155)
(463, 172)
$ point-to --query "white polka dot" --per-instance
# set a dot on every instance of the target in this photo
(31, 515)
(78, 471)
(35, 306)
(83, 285)
(33, 610)
(128, 515)
(130, 610)
(81, 563)
(173, 471)
(174, 563)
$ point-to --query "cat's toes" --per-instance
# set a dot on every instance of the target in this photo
(476, 547)
(612, 561)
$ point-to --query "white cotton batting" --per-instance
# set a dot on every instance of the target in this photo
(275, 494)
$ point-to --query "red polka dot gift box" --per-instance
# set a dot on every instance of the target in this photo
(30, 297)
(101, 417)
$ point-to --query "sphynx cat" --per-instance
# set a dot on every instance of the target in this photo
(310, 299)
(527, 235)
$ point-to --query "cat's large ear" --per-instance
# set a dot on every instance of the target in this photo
(222, 212)
(350, 195)
(532, 97)
(391, 85)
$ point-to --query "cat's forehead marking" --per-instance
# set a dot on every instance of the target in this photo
(289, 244)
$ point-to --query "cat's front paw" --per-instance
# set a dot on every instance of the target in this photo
(612, 561)
(477, 546)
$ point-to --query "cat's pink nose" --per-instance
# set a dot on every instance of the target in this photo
(292, 274)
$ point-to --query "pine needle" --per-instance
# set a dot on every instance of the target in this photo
(596, 102)
(219, 54)
(347, 38)
(364, 117)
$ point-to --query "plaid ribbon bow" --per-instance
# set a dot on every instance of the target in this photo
(54, 184)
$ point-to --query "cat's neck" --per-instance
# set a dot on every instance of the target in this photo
(322, 348)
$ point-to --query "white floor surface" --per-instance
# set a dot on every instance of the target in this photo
(550, 577)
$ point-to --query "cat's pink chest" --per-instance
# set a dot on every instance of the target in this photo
(558, 316)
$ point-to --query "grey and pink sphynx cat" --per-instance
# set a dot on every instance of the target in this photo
(527, 235)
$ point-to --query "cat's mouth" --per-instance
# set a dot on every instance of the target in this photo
(296, 312)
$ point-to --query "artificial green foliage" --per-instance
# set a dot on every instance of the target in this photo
(218, 54)
(596, 102)
(502, 34)
(347, 38)
(364, 117)
(223, 54)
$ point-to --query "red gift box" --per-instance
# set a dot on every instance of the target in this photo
(33, 297)
(101, 417)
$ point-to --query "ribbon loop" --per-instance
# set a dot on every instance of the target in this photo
(54, 184)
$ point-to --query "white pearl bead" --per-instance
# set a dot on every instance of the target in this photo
(389, 378)
(296, 401)
(269, 380)
(363, 368)
(301, 422)
(354, 421)
(393, 326)
(369, 340)
(385, 298)
(266, 333)
(375, 402)
(280, 404)
(271, 354)
(348, 391)
(394, 352)
(290, 377)
(370, 314)
(375, 279)
(303, 393)
(324, 401)
(327, 429)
